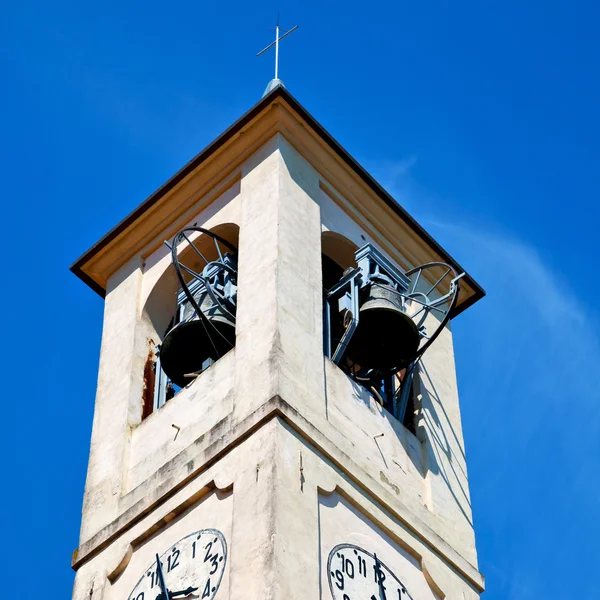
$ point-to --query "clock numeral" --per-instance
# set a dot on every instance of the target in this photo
(347, 566)
(173, 560)
(340, 579)
(207, 589)
(400, 592)
(362, 566)
(213, 558)
(208, 548)
(214, 561)
(152, 575)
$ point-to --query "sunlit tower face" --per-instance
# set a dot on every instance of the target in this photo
(277, 409)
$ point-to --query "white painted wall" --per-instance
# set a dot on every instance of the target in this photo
(292, 434)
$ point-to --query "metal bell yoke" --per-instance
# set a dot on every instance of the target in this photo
(383, 312)
(204, 325)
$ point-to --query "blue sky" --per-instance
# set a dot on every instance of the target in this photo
(480, 117)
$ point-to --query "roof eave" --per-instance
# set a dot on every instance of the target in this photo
(77, 266)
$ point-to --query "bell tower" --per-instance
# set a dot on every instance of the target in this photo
(277, 412)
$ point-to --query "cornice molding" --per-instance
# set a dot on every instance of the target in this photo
(276, 407)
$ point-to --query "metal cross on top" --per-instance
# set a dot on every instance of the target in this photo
(276, 44)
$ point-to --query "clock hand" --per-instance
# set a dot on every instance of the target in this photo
(183, 592)
(379, 576)
(161, 578)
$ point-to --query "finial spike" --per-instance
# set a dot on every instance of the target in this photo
(276, 81)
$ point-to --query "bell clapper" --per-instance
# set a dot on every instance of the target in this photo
(192, 375)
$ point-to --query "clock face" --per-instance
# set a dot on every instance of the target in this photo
(192, 568)
(356, 574)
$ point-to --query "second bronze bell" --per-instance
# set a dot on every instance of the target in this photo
(386, 337)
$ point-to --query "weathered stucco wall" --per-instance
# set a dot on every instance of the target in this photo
(120, 458)
(282, 507)
(195, 410)
(285, 435)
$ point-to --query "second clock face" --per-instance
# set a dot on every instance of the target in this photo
(196, 562)
(356, 574)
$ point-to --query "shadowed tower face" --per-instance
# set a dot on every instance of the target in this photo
(277, 412)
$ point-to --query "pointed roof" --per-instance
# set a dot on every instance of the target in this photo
(225, 154)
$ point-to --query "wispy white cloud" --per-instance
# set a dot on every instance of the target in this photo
(529, 297)
(395, 175)
(528, 360)
(394, 170)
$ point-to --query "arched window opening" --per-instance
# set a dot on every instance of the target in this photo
(191, 310)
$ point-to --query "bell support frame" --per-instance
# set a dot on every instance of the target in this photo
(209, 271)
(373, 267)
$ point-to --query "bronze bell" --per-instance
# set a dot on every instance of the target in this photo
(191, 345)
(386, 337)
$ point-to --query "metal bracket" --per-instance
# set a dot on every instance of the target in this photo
(372, 262)
(346, 292)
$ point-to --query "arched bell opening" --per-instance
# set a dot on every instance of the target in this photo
(190, 312)
(337, 256)
(379, 319)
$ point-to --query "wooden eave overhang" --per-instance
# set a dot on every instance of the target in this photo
(217, 166)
